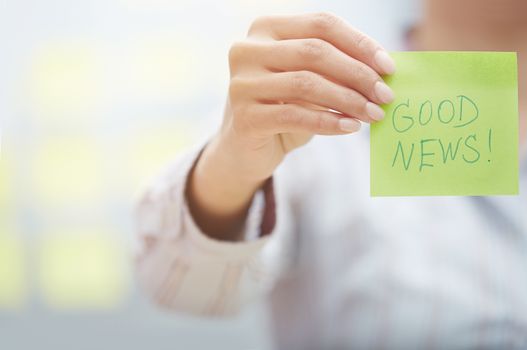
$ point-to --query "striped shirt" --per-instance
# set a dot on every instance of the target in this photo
(342, 269)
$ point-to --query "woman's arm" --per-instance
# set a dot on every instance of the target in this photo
(293, 77)
(182, 269)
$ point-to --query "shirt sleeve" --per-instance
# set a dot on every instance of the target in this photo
(181, 268)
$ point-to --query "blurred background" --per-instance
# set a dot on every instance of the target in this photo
(95, 97)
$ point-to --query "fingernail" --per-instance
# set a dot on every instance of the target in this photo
(348, 124)
(383, 92)
(385, 62)
(374, 111)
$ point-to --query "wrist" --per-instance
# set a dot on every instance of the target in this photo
(218, 199)
(227, 160)
(218, 185)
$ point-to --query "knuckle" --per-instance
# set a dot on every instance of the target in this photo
(355, 101)
(237, 87)
(313, 49)
(324, 20)
(363, 72)
(258, 23)
(357, 98)
(304, 82)
(362, 41)
(288, 116)
(319, 123)
(324, 123)
(236, 51)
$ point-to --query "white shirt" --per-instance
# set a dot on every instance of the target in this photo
(343, 269)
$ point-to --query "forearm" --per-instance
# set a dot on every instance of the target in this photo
(218, 194)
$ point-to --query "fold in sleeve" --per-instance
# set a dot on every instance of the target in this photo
(182, 269)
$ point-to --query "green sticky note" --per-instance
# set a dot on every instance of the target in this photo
(452, 129)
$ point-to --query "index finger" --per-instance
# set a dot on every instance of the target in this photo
(330, 28)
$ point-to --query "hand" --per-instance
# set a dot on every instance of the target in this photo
(291, 78)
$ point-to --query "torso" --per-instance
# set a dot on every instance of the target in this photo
(400, 272)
